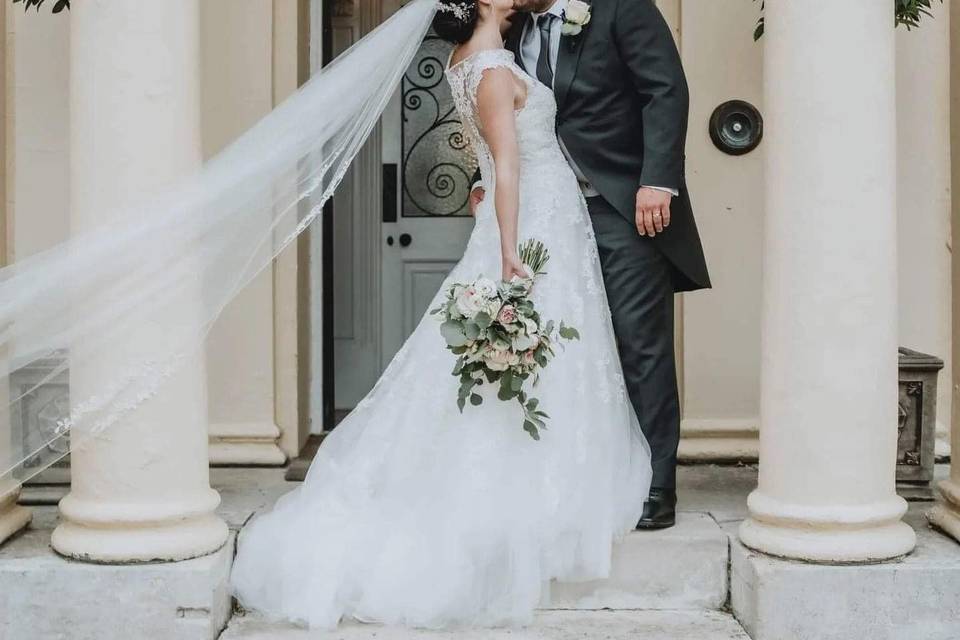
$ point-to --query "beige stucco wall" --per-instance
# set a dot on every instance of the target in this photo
(37, 120)
(923, 82)
(249, 64)
(237, 77)
(720, 328)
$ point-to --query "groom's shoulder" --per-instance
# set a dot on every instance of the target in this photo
(624, 8)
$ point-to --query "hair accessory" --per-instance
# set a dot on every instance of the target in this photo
(461, 10)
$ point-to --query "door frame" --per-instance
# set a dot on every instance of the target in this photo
(367, 203)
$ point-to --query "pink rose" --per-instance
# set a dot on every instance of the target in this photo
(507, 315)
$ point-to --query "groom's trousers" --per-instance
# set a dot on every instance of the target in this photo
(639, 284)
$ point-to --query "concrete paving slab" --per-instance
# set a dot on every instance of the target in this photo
(44, 596)
(684, 567)
(916, 598)
(553, 625)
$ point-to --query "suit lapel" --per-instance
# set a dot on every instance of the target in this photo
(568, 57)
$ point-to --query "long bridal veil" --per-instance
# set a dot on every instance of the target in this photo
(176, 259)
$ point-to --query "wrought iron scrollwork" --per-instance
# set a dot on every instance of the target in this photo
(438, 165)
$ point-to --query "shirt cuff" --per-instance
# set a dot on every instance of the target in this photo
(672, 192)
(476, 185)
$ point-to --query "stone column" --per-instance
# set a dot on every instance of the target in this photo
(829, 312)
(946, 514)
(13, 517)
(923, 155)
(141, 490)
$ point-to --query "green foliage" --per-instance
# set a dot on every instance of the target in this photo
(906, 12)
(58, 5)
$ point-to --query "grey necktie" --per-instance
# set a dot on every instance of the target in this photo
(544, 69)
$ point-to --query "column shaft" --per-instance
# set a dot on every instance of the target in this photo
(13, 517)
(140, 490)
(829, 311)
(946, 514)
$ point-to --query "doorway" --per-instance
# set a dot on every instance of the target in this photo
(399, 220)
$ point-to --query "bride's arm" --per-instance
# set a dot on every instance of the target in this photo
(496, 96)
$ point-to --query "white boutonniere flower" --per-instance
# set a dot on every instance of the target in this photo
(575, 17)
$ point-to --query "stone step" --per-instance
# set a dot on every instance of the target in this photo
(548, 625)
(44, 596)
(914, 598)
(684, 567)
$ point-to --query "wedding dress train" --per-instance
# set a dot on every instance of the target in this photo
(414, 513)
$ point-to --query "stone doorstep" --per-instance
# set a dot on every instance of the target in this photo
(684, 567)
(44, 596)
(916, 598)
(547, 625)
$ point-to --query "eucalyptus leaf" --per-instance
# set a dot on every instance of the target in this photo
(568, 333)
(483, 319)
(531, 428)
(472, 330)
(453, 333)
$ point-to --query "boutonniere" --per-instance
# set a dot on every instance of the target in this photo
(575, 17)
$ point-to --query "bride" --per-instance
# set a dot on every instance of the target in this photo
(416, 514)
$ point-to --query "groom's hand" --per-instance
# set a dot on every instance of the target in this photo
(476, 197)
(653, 211)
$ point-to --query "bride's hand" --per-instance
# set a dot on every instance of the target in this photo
(513, 266)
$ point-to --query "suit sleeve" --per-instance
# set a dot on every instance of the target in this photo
(647, 48)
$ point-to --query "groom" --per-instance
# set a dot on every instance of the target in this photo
(622, 122)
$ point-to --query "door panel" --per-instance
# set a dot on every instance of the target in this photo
(356, 243)
(422, 136)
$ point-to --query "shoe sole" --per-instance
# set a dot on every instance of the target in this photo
(654, 527)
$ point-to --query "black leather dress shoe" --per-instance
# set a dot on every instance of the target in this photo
(659, 511)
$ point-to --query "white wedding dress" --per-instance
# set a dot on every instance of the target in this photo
(415, 514)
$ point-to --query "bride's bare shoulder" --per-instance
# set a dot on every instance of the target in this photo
(469, 51)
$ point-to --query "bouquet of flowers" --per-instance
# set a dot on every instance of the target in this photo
(498, 337)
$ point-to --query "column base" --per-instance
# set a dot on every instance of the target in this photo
(252, 443)
(13, 517)
(861, 533)
(946, 514)
(777, 599)
(129, 533)
(45, 596)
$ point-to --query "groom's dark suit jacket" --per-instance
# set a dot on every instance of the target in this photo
(622, 114)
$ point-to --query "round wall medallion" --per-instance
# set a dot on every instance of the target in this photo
(736, 127)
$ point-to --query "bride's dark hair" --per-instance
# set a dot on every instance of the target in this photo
(455, 20)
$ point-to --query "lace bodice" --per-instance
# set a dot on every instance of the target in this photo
(536, 120)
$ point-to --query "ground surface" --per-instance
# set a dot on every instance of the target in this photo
(718, 491)
(554, 625)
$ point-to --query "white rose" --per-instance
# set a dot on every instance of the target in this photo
(577, 12)
(485, 287)
(469, 302)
